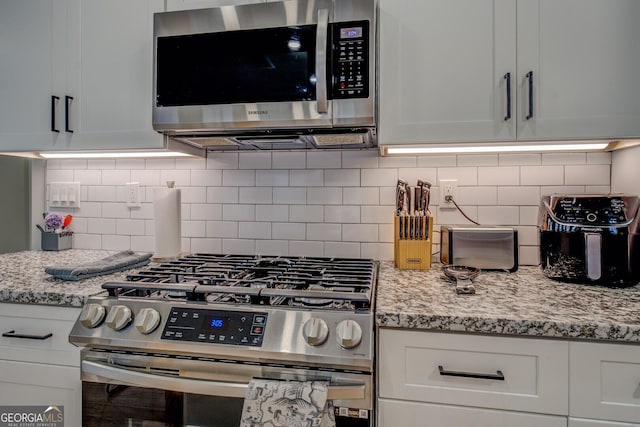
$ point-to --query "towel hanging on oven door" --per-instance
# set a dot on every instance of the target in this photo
(287, 404)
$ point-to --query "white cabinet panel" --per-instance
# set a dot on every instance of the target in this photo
(585, 62)
(410, 414)
(442, 68)
(202, 4)
(578, 422)
(605, 381)
(535, 371)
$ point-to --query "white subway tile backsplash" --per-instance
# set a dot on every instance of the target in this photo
(254, 160)
(542, 175)
(206, 177)
(315, 203)
(272, 178)
(223, 229)
(254, 230)
(378, 177)
(502, 175)
(324, 159)
(324, 232)
(238, 178)
(587, 174)
(290, 196)
(288, 230)
(342, 177)
(272, 213)
(324, 196)
(519, 196)
(306, 178)
(342, 214)
(289, 160)
(238, 212)
(361, 196)
(253, 195)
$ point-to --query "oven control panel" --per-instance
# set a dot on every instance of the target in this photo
(350, 60)
(215, 326)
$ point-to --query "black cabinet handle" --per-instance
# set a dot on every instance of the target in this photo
(530, 78)
(507, 77)
(67, 108)
(12, 334)
(498, 376)
(54, 99)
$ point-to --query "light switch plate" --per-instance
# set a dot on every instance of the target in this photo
(64, 195)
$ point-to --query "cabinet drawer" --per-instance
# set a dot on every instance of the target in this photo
(36, 320)
(410, 414)
(605, 381)
(535, 371)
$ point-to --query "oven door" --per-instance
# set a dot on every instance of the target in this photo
(124, 389)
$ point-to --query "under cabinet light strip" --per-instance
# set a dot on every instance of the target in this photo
(112, 155)
(472, 148)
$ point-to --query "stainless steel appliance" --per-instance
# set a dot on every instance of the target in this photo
(591, 239)
(178, 343)
(485, 247)
(285, 74)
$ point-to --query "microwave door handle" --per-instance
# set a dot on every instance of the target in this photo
(321, 60)
(111, 374)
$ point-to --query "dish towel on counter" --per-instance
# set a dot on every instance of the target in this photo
(112, 264)
(272, 403)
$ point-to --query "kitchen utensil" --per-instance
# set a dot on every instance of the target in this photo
(66, 221)
(39, 227)
(463, 277)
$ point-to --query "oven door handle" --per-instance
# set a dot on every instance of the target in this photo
(110, 374)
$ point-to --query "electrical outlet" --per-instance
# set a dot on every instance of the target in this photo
(133, 194)
(448, 192)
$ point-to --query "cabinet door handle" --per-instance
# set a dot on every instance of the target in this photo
(13, 334)
(67, 110)
(498, 376)
(507, 77)
(54, 100)
(530, 78)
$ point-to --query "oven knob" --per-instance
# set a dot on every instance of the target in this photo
(147, 320)
(119, 317)
(92, 315)
(315, 331)
(348, 334)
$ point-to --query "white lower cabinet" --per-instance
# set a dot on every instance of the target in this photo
(436, 379)
(37, 368)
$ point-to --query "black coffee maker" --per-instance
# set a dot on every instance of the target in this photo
(591, 239)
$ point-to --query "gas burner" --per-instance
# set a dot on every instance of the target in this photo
(316, 283)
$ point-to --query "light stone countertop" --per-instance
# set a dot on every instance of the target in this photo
(523, 303)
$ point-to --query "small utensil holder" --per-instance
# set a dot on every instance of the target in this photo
(56, 241)
(412, 251)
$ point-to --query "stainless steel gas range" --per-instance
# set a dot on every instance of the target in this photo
(178, 343)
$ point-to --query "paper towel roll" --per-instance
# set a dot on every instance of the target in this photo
(167, 216)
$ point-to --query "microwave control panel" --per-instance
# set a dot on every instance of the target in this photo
(215, 326)
(350, 60)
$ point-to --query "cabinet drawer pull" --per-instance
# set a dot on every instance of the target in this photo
(54, 99)
(507, 77)
(67, 110)
(530, 78)
(498, 376)
(13, 334)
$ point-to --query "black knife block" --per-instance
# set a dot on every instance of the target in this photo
(412, 252)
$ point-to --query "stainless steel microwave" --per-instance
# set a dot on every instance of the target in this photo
(285, 74)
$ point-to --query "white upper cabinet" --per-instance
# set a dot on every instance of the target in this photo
(442, 64)
(446, 67)
(585, 59)
(77, 75)
(202, 4)
(32, 34)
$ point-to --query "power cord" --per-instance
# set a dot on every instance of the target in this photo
(449, 198)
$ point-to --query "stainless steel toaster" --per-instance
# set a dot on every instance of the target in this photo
(484, 247)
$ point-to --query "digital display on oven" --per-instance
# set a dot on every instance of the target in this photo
(351, 33)
(215, 326)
